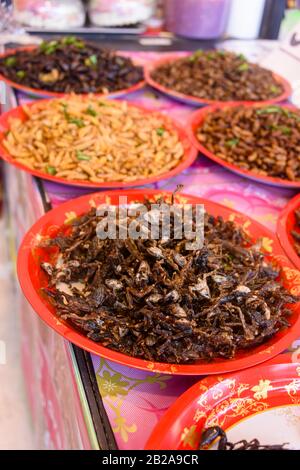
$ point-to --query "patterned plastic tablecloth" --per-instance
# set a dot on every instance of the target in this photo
(135, 400)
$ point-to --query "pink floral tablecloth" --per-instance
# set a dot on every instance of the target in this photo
(135, 400)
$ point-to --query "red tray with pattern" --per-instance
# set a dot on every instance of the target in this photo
(32, 278)
(262, 402)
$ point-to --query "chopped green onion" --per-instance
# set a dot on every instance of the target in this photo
(69, 118)
(10, 61)
(195, 55)
(242, 57)
(21, 74)
(90, 110)
(82, 156)
(65, 110)
(92, 60)
(232, 142)
(269, 110)
(76, 121)
(160, 131)
(43, 45)
(285, 130)
(51, 170)
(243, 67)
(79, 44)
(210, 56)
(72, 40)
(69, 40)
(290, 114)
(274, 89)
(49, 47)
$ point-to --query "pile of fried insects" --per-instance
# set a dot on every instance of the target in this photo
(157, 300)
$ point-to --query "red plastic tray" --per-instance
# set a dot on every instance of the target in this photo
(194, 101)
(228, 401)
(197, 119)
(287, 222)
(190, 152)
(32, 278)
(40, 93)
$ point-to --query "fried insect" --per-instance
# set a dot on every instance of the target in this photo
(209, 435)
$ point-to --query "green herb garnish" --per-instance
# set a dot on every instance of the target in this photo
(65, 110)
(242, 57)
(10, 61)
(269, 110)
(160, 131)
(232, 142)
(284, 129)
(90, 110)
(76, 121)
(72, 40)
(195, 55)
(49, 47)
(69, 118)
(92, 60)
(68, 40)
(210, 56)
(82, 156)
(21, 74)
(51, 170)
(274, 89)
(243, 67)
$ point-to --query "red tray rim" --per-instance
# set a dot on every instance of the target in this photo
(282, 232)
(37, 92)
(190, 155)
(197, 117)
(287, 89)
(263, 352)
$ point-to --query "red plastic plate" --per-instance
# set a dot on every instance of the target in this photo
(246, 405)
(190, 152)
(287, 222)
(32, 278)
(39, 93)
(192, 100)
(197, 119)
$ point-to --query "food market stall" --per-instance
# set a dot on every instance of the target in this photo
(82, 400)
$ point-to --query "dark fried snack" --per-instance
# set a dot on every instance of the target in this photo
(218, 75)
(264, 140)
(70, 65)
(156, 300)
(215, 432)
